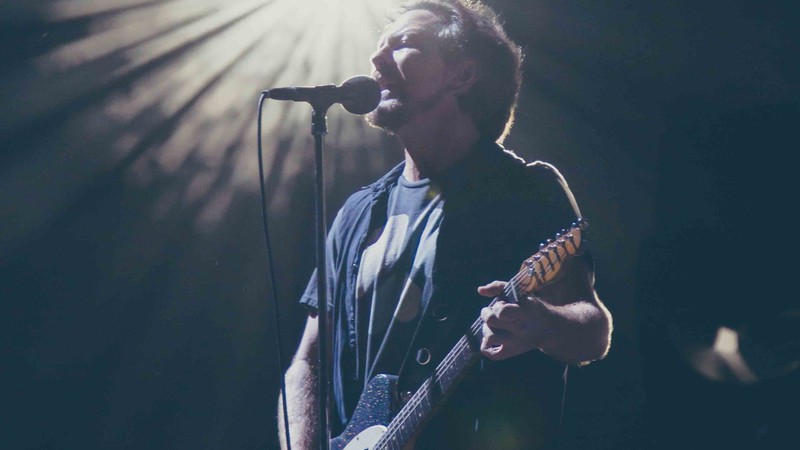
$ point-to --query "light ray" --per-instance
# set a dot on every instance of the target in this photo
(161, 89)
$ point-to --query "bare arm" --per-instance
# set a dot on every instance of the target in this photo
(565, 320)
(301, 392)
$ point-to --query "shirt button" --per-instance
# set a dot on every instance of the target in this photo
(423, 356)
(440, 313)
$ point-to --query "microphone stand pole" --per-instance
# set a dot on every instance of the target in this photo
(319, 128)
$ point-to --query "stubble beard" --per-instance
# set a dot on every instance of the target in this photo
(389, 115)
(393, 114)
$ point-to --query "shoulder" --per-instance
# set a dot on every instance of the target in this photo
(361, 198)
(542, 183)
(355, 210)
(537, 171)
(358, 200)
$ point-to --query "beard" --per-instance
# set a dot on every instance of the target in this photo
(392, 114)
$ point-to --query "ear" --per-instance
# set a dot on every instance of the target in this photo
(463, 75)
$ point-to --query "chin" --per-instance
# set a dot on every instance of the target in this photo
(390, 115)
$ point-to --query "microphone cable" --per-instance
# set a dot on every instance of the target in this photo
(272, 277)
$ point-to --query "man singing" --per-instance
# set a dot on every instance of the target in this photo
(411, 258)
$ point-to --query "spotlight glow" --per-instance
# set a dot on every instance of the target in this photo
(166, 89)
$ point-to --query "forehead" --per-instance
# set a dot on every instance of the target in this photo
(417, 21)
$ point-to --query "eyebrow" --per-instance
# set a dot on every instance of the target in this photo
(404, 32)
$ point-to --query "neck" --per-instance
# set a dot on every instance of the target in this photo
(434, 146)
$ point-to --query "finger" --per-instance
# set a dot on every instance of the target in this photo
(493, 337)
(505, 316)
(494, 353)
(496, 345)
(492, 289)
(486, 313)
(489, 316)
(489, 346)
(509, 311)
(491, 312)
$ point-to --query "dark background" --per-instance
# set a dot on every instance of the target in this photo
(136, 308)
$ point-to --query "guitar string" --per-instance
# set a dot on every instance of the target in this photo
(462, 343)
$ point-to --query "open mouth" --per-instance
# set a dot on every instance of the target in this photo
(389, 89)
(388, 93)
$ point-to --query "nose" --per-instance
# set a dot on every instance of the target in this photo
(379, 56)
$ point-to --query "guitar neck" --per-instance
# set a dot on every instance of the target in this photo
(536, 271)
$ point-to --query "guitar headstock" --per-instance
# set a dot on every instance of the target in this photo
(543, 266)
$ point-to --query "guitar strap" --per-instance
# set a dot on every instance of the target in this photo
(396, 334)
(414, 337)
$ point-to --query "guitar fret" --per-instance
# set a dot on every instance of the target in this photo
(427, 402)
(403, 431)
(445, 381)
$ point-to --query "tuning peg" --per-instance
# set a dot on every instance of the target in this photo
(554, 248)
(571, 238)
(546, 253)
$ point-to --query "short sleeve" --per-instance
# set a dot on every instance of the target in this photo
(309, 298)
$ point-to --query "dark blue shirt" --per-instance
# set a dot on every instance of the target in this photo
(496, 211)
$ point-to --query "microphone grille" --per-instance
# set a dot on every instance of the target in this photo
(361, 94)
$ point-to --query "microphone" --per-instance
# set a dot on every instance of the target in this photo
(358, 95)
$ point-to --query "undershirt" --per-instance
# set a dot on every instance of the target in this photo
(395, 272)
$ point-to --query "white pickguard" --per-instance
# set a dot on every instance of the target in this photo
(367, 438)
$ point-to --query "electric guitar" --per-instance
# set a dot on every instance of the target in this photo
(373, 427)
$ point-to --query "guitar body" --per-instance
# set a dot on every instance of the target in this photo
(374, 411)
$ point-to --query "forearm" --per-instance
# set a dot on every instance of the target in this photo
(565, 319)
(576, 332)
(302, 406)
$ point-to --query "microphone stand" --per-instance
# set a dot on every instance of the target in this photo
(358, 95)
(319, 129)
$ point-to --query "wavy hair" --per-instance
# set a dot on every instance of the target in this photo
(473, 30)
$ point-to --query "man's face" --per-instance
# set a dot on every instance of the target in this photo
(410, 70)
